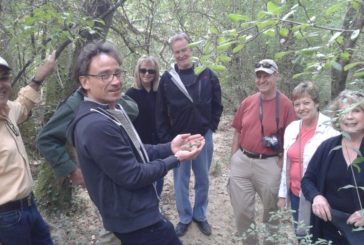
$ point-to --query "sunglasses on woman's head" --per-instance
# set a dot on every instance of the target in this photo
(150, 71)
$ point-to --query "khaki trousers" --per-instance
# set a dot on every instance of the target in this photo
(249, 176)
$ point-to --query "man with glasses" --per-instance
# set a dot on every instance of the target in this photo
(20, 220)
(256, 150)
(118, 169)
(52, 142)
(189, 102)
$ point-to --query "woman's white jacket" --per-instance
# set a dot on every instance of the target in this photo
(323, 131)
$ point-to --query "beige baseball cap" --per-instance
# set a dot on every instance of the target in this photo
(4, 63)
(267, 65)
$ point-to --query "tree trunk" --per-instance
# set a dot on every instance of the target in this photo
(354, 20)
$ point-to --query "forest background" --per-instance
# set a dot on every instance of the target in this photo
(317, 40)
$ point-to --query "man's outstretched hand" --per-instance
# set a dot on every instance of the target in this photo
(186, 146)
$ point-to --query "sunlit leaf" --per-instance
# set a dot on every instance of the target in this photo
(238, 17)
(195, 44)
(223, 58)
(261, 14)
(214, 30)
(333, 38)
(207, 46)
(270, 32)
(345, 56)
(334, 8)
(274, 9)
(217, 68)
(238, 48)
(355, 34)
(295, 76)
(280, 55)
(248, 37)
(225, 46)
(283, 32)
(309, 50)
(289, 14)
(267, 23)
(358, 160)
(358, 74)
(352, 65)
(355, 4)
(199, 69)
(231, 32)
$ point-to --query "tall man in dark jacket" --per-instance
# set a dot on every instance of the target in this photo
(187, 102)
(119, 171)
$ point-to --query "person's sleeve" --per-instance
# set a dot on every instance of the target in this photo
(162, 151)
(283, 185)
(217, 106)
(27, 99)
(238, 117)
(114, 156)
(52, 142)
(162, 118)
(309, 183)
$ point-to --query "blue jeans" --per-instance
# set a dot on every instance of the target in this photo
(161, 233)
(200, 167)
(295, 203)
(24, 226)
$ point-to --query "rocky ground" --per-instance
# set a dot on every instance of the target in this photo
(81, 224)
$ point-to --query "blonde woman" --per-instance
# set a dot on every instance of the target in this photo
(335, 209)
(144, 93)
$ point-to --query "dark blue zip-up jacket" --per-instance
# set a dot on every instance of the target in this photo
(118, 182)
(176, 114)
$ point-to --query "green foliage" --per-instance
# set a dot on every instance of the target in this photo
(279, 232)
(52, 194)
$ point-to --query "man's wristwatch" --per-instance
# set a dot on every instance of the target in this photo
(39, 82)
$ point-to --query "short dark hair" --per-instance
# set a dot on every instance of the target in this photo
(91, 50)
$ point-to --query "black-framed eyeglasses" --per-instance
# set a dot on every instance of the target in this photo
(265, 65)
(150, 71)
(108, 77)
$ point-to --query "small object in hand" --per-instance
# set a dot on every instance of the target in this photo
(191, 146)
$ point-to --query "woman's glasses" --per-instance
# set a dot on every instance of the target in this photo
(150, 71)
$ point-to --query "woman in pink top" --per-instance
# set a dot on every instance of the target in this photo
(301, 139)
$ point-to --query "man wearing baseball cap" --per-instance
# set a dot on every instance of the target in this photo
(20, 220)
(256, 150)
